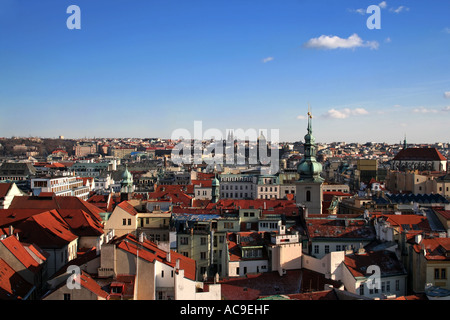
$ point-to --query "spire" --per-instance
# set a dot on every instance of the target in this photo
(404, 143)
(309, 120)
(309, 168)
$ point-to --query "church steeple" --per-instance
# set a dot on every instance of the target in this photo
(309, 168)
(405, 145)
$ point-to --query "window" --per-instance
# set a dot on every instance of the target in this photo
(308, 195)
(338, 247)
(203, 241)
(327, 249)
(397, 285)
(129, 222)
(436, 273)
(203, 255)
(124, 222)
(162, 273)
(383, 286)
(184, 240)
(388, 286)
(316, 249)
(66, 296)
(361, 289)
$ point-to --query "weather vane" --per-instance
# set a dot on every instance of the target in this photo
(309, 111)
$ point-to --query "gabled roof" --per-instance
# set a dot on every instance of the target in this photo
(408, 222)
(18, 250)
(239, 240)
(149, 251)
(127, 207)
(86, 282)
(4, 189)
(12, 285)
(419, 154)
(177, 197)
(387, 261)
(54, 202)
(435, 248)
(81, 223)
(46, 229)
(339, 228)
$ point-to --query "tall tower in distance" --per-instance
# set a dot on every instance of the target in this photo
(309, 187)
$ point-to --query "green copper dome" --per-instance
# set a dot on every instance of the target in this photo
(309, 168)
(127, 177)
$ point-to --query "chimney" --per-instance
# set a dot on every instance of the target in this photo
(418, 238)
(168, 256)
(177, 264)
(11, 230)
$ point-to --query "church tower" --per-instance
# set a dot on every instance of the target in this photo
(215, 193)
(309, 188)
(127, 187)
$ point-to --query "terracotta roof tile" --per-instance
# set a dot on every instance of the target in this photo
(420, 154)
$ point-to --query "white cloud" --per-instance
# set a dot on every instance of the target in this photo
(345, 113)
(446, 109)
(447, 94)
(446, 30)
(335, 42)
(300, 117)
(360, 11)
(399, 9)
(382, 4)
(388, 40)
(424, 110)
(265, 60)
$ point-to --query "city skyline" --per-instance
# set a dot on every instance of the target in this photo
(148, 68)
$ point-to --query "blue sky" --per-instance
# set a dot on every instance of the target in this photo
(143, 68)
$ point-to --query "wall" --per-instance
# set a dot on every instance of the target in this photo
(186, 289)
(115, 222)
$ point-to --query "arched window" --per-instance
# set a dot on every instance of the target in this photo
(308, 195)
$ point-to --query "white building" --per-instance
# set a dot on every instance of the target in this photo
(61, 186)
(238, 186)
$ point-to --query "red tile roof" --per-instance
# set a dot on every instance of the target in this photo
(90, 284)
(46, 229)
(273, 206)
(254, 286)
(337, 228)
(410, 223)
(21, 254)
(45, 204)
(177, 197)
(125, 205)
(4, 189)
(420, 154)
(202, 183)
(435, 248)
(245, 239)
(149, 251)
(444, 213)
(389, 265)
